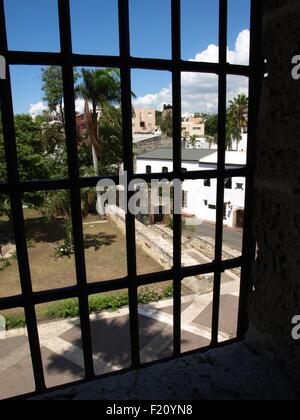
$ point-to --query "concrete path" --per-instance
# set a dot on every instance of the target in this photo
(62, 348)
(233, 237)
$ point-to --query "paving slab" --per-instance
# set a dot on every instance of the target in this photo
(61, 343)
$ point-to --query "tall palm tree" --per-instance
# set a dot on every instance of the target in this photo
(237, 115)
(100, 88)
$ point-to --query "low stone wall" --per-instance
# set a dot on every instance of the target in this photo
(160, 250)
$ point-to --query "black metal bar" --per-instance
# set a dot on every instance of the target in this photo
(44, 59)
(64, 184)
(71, 139)
(17, 212)
(119, 284)
(176, 94)
(255, 89)
(15, 188)
(221, 164)
(124, 34)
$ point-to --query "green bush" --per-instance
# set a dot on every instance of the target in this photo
(99, 303)
(4, 264)
(68, 308)
(15, 321)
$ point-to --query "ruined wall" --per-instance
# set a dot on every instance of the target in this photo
(276, 299)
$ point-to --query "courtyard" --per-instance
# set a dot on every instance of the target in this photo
(105, 255)
(62, 348)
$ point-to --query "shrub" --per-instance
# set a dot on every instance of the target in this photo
(15, 321)
(68, 308)
(4, 264)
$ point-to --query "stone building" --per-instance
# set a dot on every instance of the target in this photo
(144, 121)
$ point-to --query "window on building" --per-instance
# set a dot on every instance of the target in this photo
(142, 124)
(228, 183)
(212, 207)
(207, 183)
(148, 169)
(239, 186)
(165, 170)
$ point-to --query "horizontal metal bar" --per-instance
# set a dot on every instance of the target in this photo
(212, 267)
(64, 184)
(118, 284)
(82, 60)
(11, 302)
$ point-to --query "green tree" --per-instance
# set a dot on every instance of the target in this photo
(158, 117)
(211, 125)
(100, 89)
(236, 120)
(32, 161)
(112, 139)
(166, 124)
(237, 117)
(52, 86)
(193, 141)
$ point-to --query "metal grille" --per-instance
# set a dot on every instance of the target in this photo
(15, 188)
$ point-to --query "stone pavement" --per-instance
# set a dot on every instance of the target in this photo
(230, 373)
(62, 349)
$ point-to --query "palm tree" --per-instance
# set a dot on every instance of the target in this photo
(100, 88)
(237, 116)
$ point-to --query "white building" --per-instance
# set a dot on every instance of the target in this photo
(200, 196)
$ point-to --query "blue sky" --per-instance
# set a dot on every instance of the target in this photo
(33, 25)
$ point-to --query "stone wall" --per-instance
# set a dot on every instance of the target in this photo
(161, 250)
(276, 299)
(159, 142)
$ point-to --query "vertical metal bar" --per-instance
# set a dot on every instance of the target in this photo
(124, 33)
(177, 157)
(221, 163)
(71, 138)
(17, 213)
(255, 88)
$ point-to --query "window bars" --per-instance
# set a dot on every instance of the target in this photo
(15, 188)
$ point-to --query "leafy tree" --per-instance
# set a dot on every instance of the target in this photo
(100, 89)
(166, 124)
(211, 125)
(112, 139)
(158, 117)
(32, 162)
(237, 117)
(52, 86)
(193, 141)
(236, 120)
(238, 109)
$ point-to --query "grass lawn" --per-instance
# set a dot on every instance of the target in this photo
(105, 254)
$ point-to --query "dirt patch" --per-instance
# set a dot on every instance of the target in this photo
(105, 253)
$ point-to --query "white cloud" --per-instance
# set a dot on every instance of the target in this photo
(37, 109)
(40, 107)
(199, 90)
